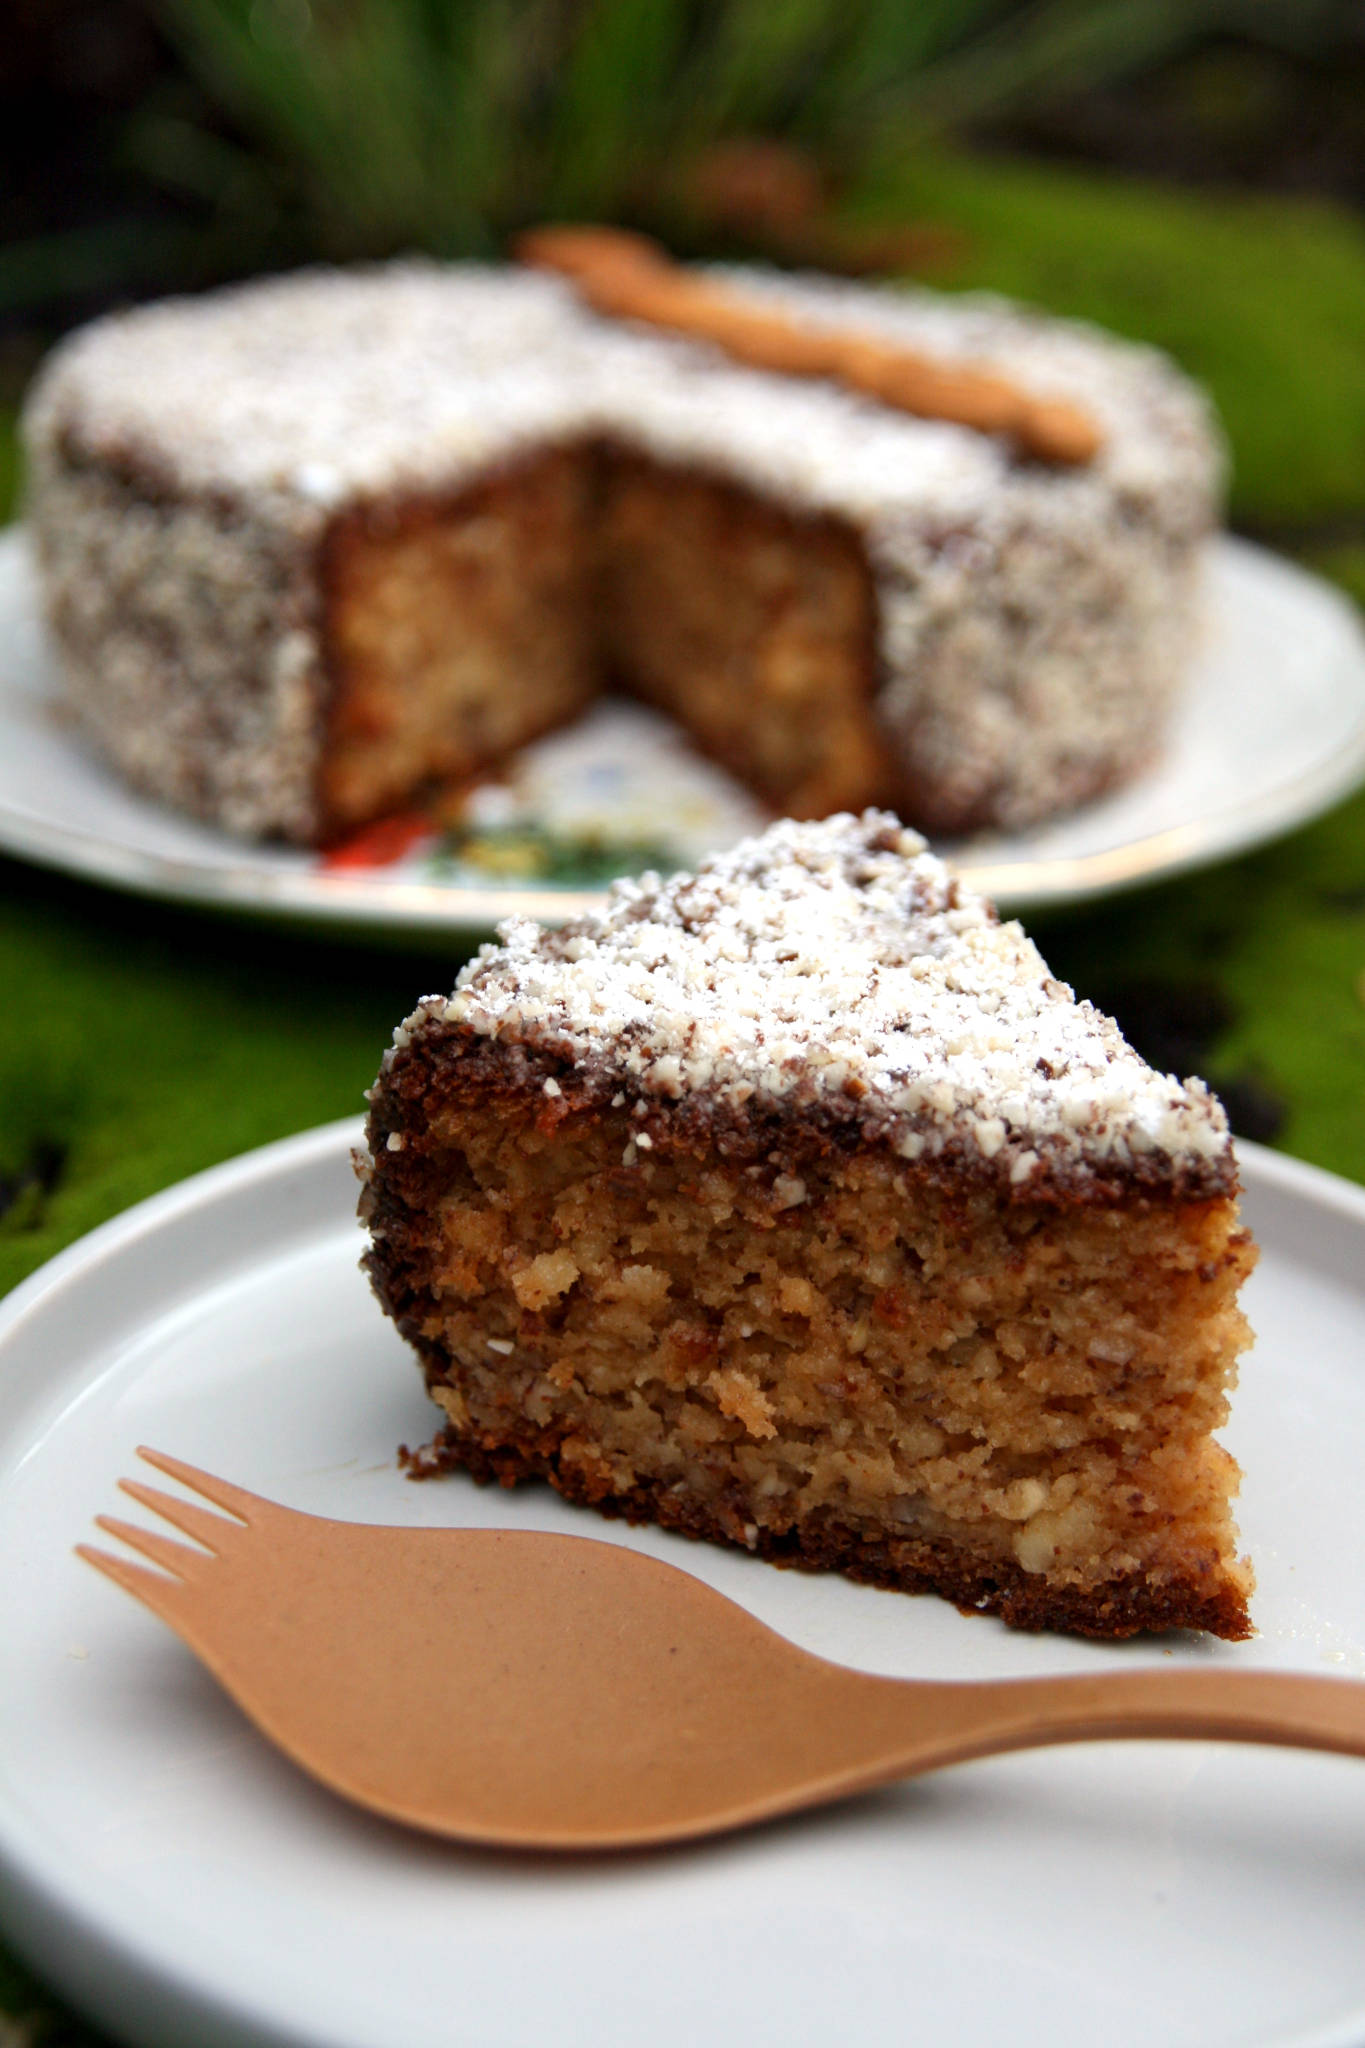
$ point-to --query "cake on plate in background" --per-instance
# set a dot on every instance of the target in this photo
(314, 547)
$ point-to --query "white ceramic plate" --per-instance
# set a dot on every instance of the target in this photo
(1271, 731)
(183, 1883)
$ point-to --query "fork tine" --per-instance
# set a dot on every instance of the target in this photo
(234, 1499)
(151, 1588)
(163, 1550)
(206, 1528)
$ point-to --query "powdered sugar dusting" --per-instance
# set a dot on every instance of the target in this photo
(840, 964)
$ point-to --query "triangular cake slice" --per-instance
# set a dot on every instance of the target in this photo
(794, 1203)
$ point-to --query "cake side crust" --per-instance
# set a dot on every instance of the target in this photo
(187, 629)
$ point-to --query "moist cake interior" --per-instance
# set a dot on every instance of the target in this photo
(460, 630)
(755, 629)
(1012, 1407)
(456, 632)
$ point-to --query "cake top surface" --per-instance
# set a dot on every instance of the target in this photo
(310, 390)
(839, 968)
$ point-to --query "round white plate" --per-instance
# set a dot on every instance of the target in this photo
(183, 1883)
(1271, 730)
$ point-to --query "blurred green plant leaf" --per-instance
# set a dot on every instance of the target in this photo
(446, 124)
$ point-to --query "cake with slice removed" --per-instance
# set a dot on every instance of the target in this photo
(317, 548)
(793, 1203)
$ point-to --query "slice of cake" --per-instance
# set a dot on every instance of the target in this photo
(315, 547)
(793, 1203)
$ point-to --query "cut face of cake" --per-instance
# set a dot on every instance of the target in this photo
(315, 548)
(794, 1204)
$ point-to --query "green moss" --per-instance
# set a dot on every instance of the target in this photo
(142, 1045)
(1296, 969)
(1263, 299)
(1342, 560)
(1282, 934)
(9, 462)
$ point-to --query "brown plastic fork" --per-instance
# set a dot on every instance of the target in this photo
(557, 1692)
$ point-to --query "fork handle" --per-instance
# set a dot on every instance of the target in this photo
(1287, 1708)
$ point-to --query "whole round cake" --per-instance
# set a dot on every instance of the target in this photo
(316, 545)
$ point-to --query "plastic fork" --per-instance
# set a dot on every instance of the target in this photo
(536, 1691)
